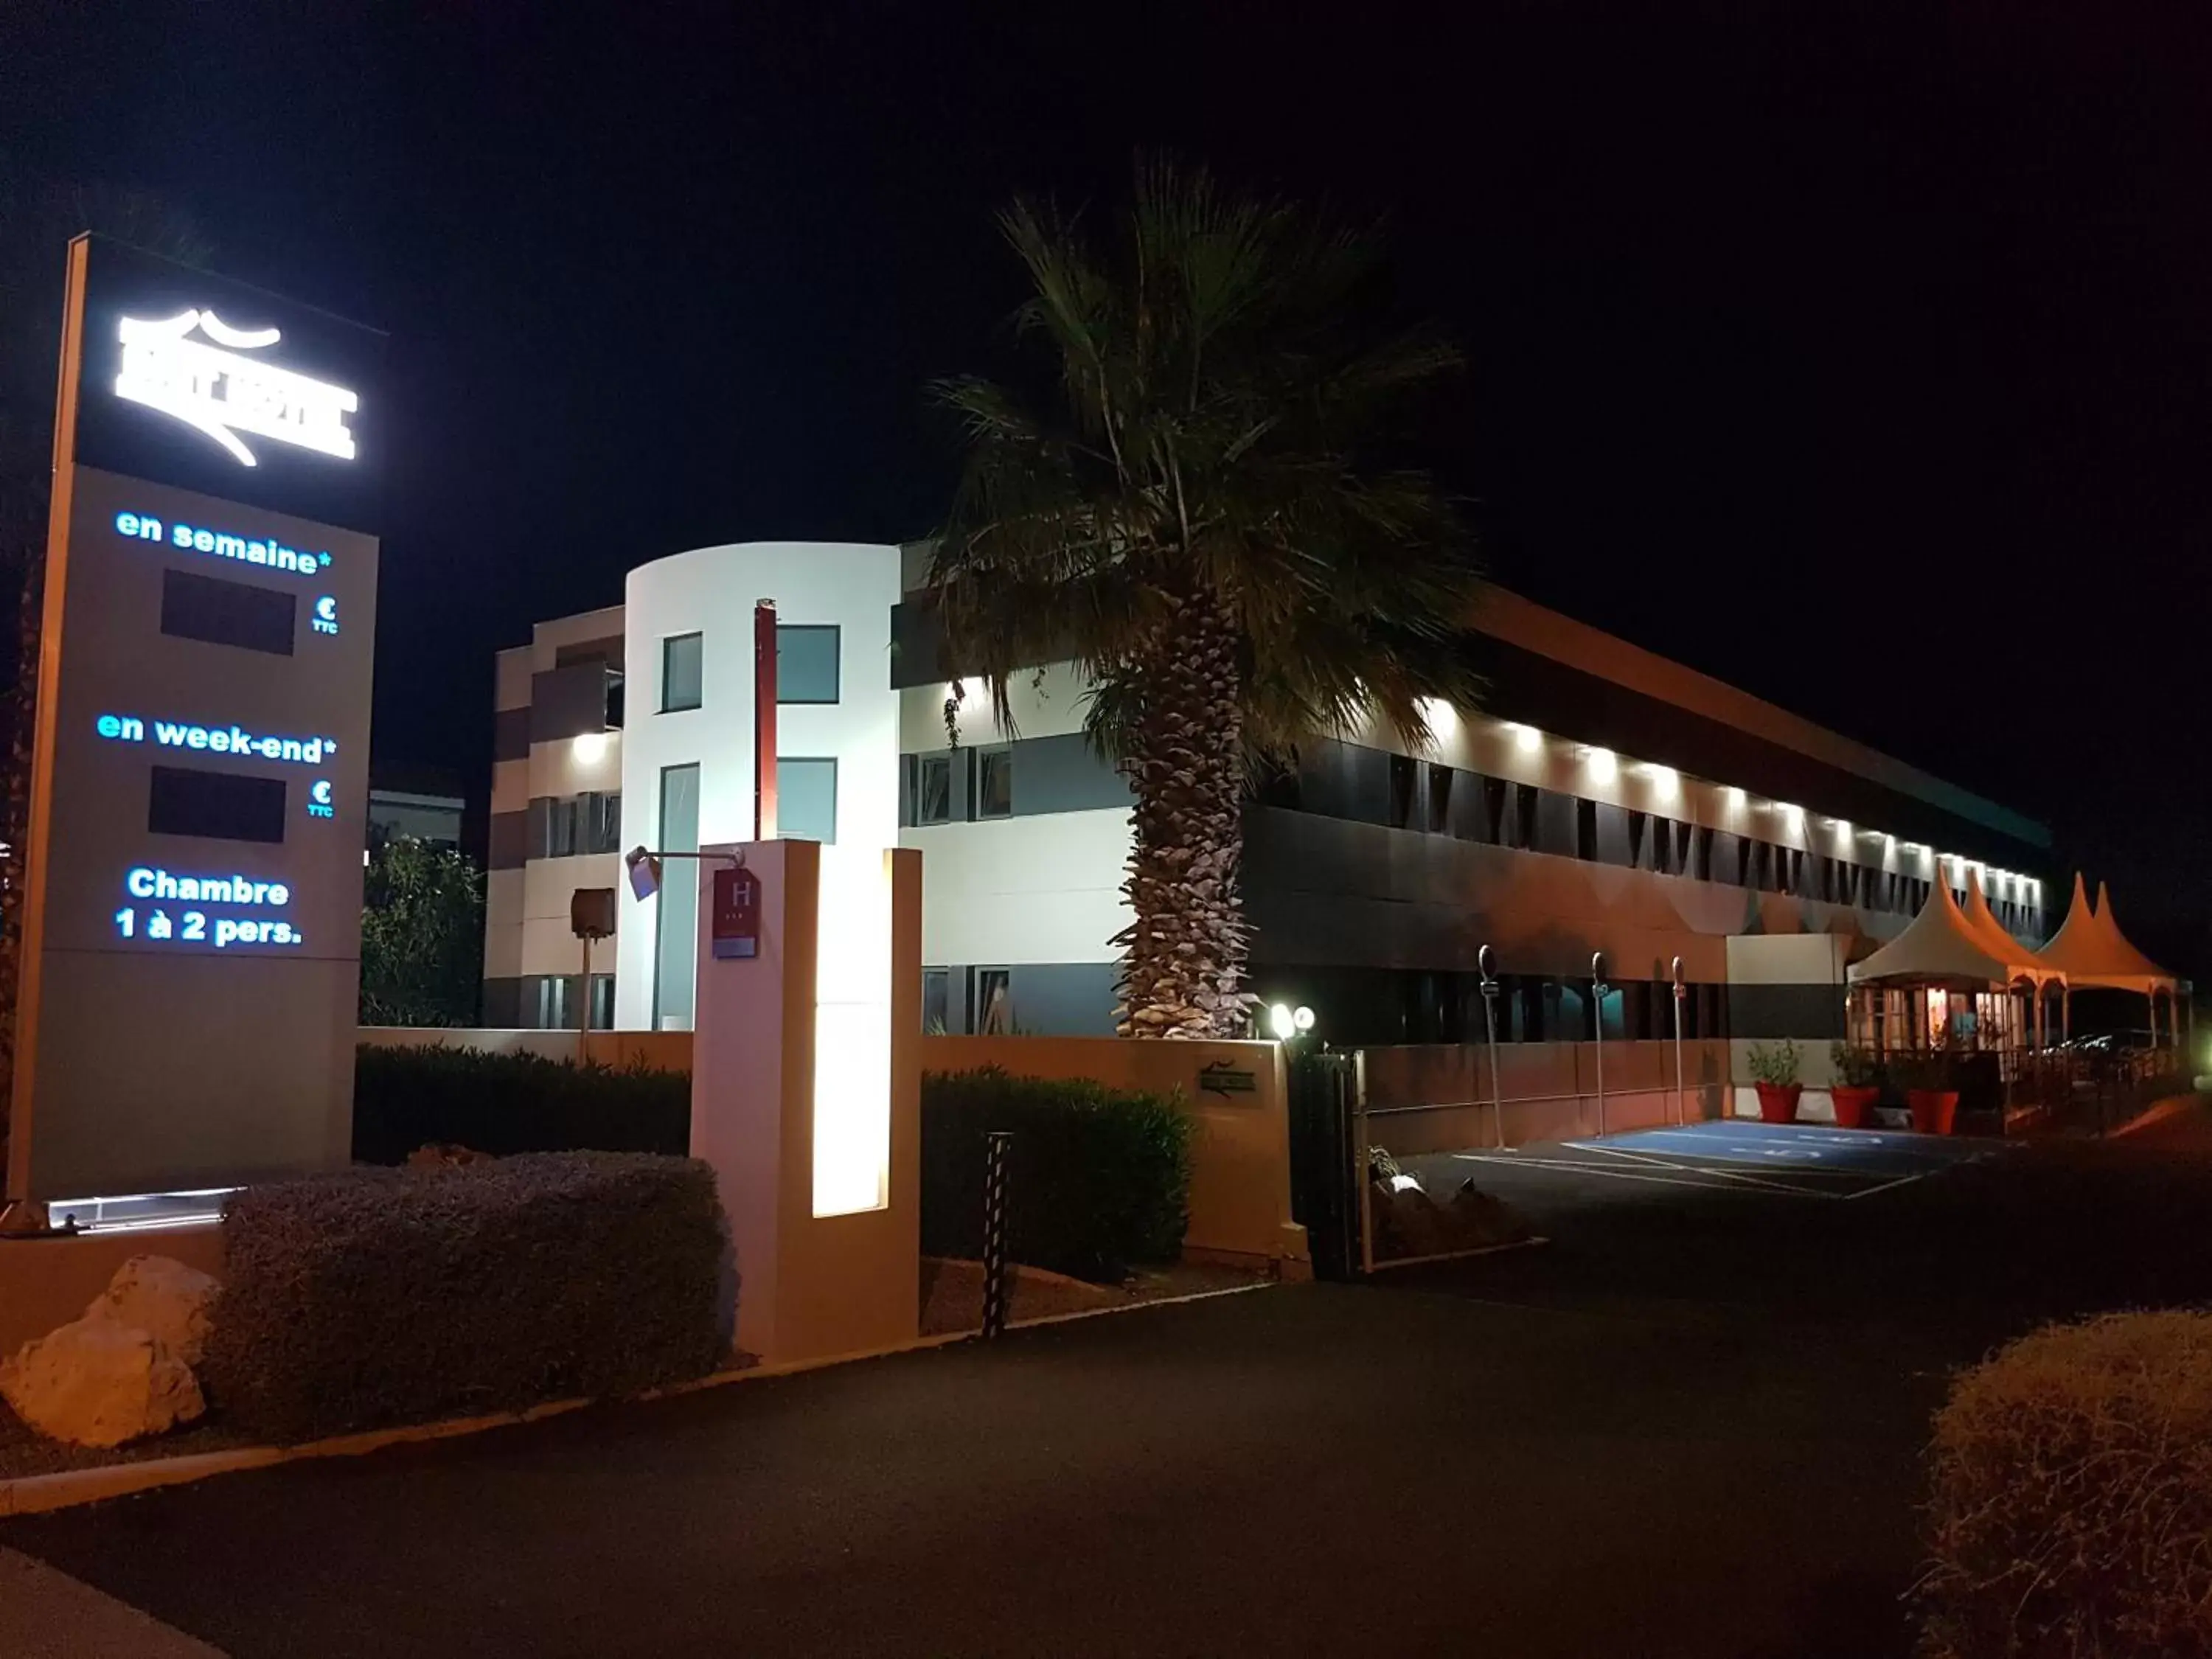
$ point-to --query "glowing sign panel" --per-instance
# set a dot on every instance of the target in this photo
(217, 740)
(222, 543)
(222, 393)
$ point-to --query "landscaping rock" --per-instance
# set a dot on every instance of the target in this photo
(163, 1298)
(98, 1383)
(1409, 1222)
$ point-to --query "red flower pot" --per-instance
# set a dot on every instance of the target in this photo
(1852, 1104)
(1933, 1110)
(1777, 1101)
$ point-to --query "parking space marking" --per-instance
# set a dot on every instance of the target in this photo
(1611, 1174)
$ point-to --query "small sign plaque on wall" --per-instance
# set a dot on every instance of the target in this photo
(736, 920)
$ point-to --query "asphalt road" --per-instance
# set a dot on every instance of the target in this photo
(1690, 1425)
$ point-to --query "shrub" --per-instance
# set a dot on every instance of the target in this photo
(400, 1296)
(404, 1099)
(1097, 1179)
(1773, 1064)
(1854, 1067)
(2072, 1505)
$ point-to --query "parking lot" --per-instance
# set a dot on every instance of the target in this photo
(1806, 1161)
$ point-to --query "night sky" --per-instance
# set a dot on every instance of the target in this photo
(1860, 354)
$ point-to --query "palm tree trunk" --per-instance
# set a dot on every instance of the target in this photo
(1183, 957)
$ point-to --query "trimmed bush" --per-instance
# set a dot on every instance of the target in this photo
(2072, 1509)
(503, 1104)
(1097, 1179)
(402, 1296)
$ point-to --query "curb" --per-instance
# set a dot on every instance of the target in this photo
(39, 1494)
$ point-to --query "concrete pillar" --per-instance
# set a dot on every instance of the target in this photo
(806, 1096)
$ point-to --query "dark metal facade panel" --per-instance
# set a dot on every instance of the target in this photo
(509, 845)
(510, 734)
(567, 702)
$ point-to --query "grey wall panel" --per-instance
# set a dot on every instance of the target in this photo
(567, 702)
(1805, 1013)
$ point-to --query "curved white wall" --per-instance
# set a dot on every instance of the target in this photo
(711, 591)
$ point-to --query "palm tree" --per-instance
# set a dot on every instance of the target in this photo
(1196, 521)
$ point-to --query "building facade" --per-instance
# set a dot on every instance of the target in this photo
(1606, 801)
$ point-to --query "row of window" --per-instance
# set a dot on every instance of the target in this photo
(806, 666)
(1427, 795)
(956, 785)
(569, 826)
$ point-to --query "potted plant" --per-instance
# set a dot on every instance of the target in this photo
(1931, 1090)
(1857, 1085)
(1774, 1074)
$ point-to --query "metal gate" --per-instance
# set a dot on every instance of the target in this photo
(1324, 1160)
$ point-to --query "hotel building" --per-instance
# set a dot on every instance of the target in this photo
(1604, 800)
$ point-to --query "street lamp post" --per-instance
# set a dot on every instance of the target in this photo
(1682, 1094)
(1485, 960)
(1598, 989)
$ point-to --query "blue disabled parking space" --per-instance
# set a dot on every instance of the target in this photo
(1812, 1161)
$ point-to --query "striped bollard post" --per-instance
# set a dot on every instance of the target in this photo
(994, 1231)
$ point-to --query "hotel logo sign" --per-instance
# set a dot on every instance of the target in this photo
(210, 384)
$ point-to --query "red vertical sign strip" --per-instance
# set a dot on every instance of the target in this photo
(764, 721)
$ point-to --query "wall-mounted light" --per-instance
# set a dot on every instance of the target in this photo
(1737, 798)
(1665, 781)
(1603, 765)
(1525, 739)
(590, 748)
(1438, 713)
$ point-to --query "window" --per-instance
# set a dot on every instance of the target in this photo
(805, 663)
(1701, 854)
(991, 1010)
(553, 1002)
(1639, 825)
(1586, 830)
(933, 800)
(1440, 788)
(682, 657)
(561, 821)
(1401, 792)
(1525, 815)
(806, 800)
(1497, 799)
(677, 910)
(994, 783)
(936, 1001)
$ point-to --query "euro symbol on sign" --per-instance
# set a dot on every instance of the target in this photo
(321, 792)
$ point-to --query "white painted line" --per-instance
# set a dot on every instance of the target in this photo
(1891, 1146)
(1623, 1175)
(1902, 1180)
(1708, 1164)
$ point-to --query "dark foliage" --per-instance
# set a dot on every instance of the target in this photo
(404, 1099)
(380, 1296)
(1097, 1178)
(422, 936)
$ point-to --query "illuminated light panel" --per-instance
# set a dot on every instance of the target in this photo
(1603, 764)
(852, 1033)
(216, 739)
(264, 550)
(1664, 779)
(220, 393)
(589, 748)
(1737, 798)
(1438, 714)
(1525, 739)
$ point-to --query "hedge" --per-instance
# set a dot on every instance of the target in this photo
(2072, 1506)
(1097, 1179)
(379, 1297)
(404, 1099)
